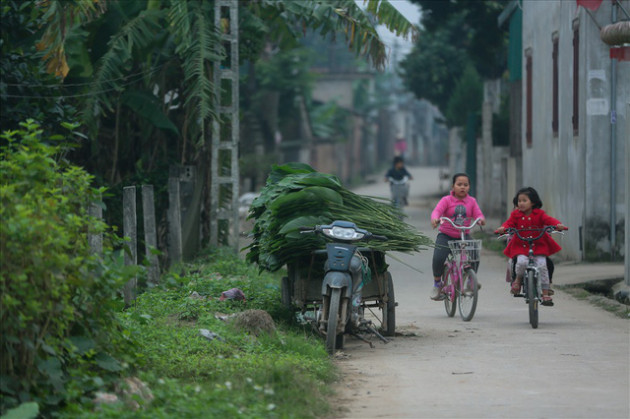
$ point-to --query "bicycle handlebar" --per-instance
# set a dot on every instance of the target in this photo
(546, 229)
(463, 228)
(402, 181)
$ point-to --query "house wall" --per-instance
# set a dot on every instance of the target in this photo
(597, 127)
(572, 172)
(344, 159)
(335, 88)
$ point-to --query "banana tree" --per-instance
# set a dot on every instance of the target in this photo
(141, 69)
(191, 37)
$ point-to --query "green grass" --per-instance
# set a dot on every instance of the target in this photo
(605, 303)
(282, 374)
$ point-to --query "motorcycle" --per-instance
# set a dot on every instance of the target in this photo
(349, 280)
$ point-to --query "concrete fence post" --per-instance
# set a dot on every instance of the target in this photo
(174, 222)
(130, 230)
(150, 234)
(95, 241)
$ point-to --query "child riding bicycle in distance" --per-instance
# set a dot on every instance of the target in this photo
(528, 214)
(459, 207)
(398, 170)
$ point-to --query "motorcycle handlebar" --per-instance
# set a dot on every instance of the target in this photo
(377, 237)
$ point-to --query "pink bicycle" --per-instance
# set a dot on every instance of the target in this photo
(459, 280)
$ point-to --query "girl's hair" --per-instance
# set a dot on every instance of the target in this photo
(456, 175)
(531, 194)
(398, 159)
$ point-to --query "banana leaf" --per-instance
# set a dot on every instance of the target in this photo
(295, 196)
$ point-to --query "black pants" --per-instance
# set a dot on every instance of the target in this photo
(441, 252)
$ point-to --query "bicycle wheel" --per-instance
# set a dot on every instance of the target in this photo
(450, 289)
(468, 295)
(532, 299)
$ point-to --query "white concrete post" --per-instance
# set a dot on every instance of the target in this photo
(130, 230)
(95, 241)
(150, 234)
(484, 165)
(174, 222)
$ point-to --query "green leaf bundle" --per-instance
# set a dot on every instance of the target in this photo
(296, 195)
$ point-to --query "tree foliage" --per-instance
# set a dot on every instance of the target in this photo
(466, 98)
(454, 34)
(27, 90)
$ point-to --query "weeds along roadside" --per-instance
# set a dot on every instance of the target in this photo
(281, 374)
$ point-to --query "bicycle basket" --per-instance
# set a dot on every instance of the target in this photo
(471, 247)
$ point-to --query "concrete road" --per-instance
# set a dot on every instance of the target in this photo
(575, 365)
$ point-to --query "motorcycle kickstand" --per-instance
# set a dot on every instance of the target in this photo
(363, 339)
(378, 335)
(368, 325)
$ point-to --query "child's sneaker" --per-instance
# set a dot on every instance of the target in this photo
(436, 292)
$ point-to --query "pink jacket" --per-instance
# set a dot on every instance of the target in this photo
(456, 209)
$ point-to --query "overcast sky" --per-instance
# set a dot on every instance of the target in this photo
(412, 13)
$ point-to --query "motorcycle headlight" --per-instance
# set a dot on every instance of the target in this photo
(342, 233)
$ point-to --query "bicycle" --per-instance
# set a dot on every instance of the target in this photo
(399, 190)
(459, 280)
(532, 287)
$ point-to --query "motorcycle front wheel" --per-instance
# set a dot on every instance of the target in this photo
(332, 341)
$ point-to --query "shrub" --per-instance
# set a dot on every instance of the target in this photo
(60, 335)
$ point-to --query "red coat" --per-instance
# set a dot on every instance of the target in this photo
(545, 246)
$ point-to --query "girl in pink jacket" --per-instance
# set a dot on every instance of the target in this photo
(460, 207)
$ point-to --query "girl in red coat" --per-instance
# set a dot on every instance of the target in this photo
(528, 214)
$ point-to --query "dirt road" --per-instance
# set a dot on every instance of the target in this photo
(575, 365)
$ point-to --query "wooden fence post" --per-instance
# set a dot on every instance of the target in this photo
(130, 230)
(150, 234)
(174, 222)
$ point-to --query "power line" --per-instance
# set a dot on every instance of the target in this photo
(141, 75)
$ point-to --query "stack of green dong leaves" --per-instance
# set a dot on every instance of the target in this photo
(298, 196)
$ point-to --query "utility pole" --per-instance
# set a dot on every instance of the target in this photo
(224, 170)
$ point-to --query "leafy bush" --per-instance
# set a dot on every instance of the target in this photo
(59, 331)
